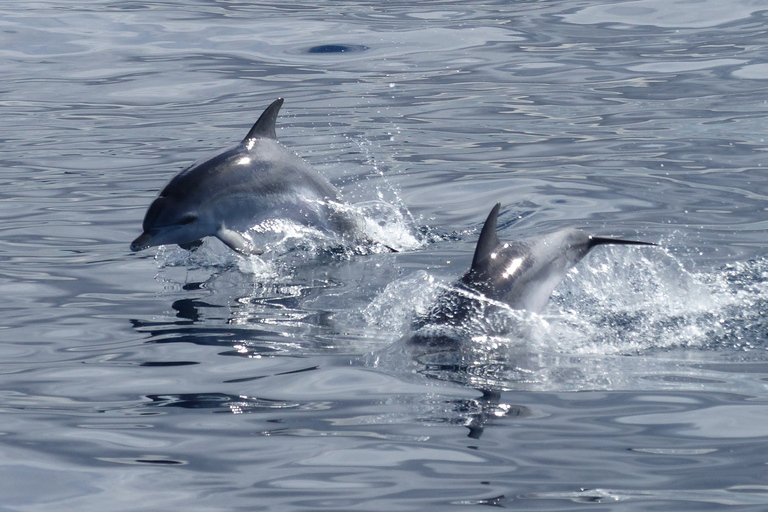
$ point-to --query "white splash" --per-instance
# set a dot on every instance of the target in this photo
(616, 301)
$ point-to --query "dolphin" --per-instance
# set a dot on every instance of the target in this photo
(257, 180)
(520, 274)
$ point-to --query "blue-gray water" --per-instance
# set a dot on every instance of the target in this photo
(164, 381)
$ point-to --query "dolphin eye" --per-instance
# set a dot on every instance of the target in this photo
(187, 219)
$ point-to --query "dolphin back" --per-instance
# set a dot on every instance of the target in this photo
(523, 273)
(240, 187)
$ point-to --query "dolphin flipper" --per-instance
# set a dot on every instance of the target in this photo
(191, 246)
(265, 126)
(237, 242)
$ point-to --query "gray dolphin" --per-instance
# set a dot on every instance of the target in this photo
(224, 196)
(520, 274)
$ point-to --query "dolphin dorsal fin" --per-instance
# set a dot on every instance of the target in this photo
(489, 240)
(265, 126)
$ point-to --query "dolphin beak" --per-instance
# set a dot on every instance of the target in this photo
(142, 242)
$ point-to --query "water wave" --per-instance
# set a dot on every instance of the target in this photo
(618, 317)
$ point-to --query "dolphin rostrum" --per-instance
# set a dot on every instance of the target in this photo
(520, 274)
(254, 181)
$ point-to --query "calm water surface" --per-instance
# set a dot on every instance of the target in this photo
(168, 381)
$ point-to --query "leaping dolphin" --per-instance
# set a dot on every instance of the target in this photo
(520, 274)
(224, 196)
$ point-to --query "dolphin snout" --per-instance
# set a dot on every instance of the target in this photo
(142, 242)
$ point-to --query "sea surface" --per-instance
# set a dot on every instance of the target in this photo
(166, 380)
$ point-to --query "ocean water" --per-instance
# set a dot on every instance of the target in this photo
(169, 380)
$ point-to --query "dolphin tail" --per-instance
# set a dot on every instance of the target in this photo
(265, 126)
(597, 240)
(489, 240)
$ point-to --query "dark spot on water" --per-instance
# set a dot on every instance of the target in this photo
(168, 363)
(192, 400)
(337, 48)
(193, 286)
(311, 368)
(158, 461)
(244, 379)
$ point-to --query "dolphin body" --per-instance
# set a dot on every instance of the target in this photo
(224, 196)
(520, 275)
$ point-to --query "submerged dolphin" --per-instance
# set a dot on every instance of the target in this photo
(520, 274)
(224, 196)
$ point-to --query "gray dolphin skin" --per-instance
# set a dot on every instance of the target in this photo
(520, 274)
(224, 196)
